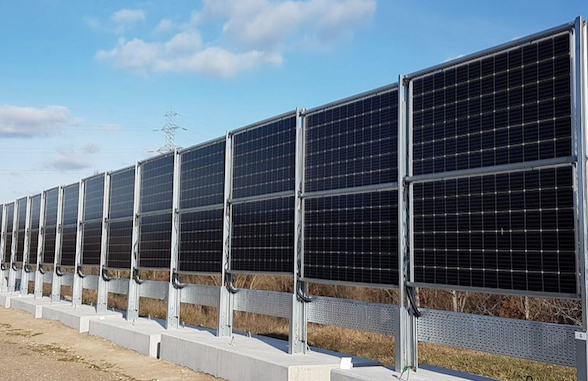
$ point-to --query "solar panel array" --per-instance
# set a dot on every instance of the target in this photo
(122, 194)
(511, 231)
(202, 186)
(9, 229)
(156, 196)
(92, 226)
(71, 195)
(21, 228)
(2, 217)
(35, 220)
(352, 238)
(50, 226)
(262, 236)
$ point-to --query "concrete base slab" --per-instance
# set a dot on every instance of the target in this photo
(77, 317)
(426, 373)
(141, 335)
(30, 304)
(243, 358)
(5, 298)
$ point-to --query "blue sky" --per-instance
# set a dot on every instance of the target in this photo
(83, 84)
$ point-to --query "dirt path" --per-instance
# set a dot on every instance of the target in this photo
(39, 349)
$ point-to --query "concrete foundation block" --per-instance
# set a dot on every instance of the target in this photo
(141, 335)
(426, 373)
(246, 358)
(30, 304)
(76, 317)
(5, 298)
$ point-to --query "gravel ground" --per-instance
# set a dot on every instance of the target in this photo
(39, 349)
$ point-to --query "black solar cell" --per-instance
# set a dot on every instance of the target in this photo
(94, 198)
(122, 193)
(155, 241)
(119, 244)
(201, 241)
(157, 184)
(203, 176)
(92, 243)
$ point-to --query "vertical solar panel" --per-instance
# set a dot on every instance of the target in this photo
(9, 230)
(51, 201)
(120, 232)
(352, 238)
(262, 237)
(70, 221)
(509, 231)
(94, 198)
(509, 107)
(155, 241)
(21, 228)
(92, 227)
(203, 176)
(157, 184)
(201, 241)
(122, 193)
(119, 244)
(92, 243)
(264, 158)
(2, 217)
(352, 144)
(35, 220)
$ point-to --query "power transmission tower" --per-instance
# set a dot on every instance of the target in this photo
(170, 132)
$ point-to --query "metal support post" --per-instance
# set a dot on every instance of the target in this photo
(579, 108)
(406, 340)
(102, 297)
(298, 322)
(77, 288)
(12, 264)
(24, 276)
(39, 249)
(56, 282)
(226, 302)
(173, 300)
(3, 280)
(133, 301)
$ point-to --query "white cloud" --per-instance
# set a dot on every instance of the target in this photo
(28, 122)
(91, 148)
(111, 127)
(64, 162)
(128, 16)
(165, 25)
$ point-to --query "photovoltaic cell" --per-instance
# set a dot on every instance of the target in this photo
(9, 230)
(92, 243)
(155, 241)
(352, 144)
(203, 175)
(35, 219)
(51, 200)
(68, 245)
(157, 184)
(201, 241)
(505, 231)
(263, 236)
(508, 107)
(264, 159)
(119, 245)
(70, 204)
(94, 198)
(122, 193)
(49, 246)
(21, 231)
(352, 238)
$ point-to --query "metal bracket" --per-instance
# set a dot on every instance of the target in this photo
(58, 271)
(27, 269)
(14, 267)
(3, 267)
(136, 277)
(176, 281)
(80, 272)
(41, 269)
(229, 284)
(104, 274)
(303, 297)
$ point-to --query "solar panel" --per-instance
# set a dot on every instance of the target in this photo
(509, 231)
(262, 237)
(157, 184)
(22, 217)
(68, 245)
(51, 200)
(352, 144)
(122, 193)
(201, 241)
(94, 198)
(35, 219)
(508, 107)
(155, 241)
(264, 158)
(352, 238)
(119, 244)
(203, 176)
(9, 229)
(92, 243)
(70, 204)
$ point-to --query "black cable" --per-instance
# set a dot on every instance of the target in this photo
(415, 310)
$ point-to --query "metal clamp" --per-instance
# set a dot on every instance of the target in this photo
(41, 269)
(14, 267)
(80, 272)
(58, 271)
(2, 267)
(104, 274)
(136, 277)
(229, 284)
(301, 295)
(27, 269)
(176, 280)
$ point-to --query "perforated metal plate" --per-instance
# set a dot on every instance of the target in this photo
(200, 295)
(551, 343)
(353, 314)
(270, 303)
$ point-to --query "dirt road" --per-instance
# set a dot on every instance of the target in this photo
(39, 349)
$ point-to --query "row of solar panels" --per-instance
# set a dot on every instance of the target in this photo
(512, 231)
